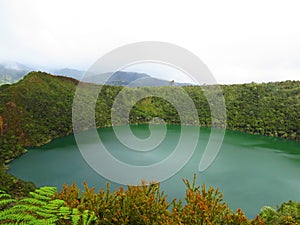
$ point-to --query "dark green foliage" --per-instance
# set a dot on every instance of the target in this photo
(270, 109)
(9, 149)
(39, 107)
(34, 111)
(287, 213)
(13, 185)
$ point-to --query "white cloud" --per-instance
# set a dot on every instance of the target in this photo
(239, 41)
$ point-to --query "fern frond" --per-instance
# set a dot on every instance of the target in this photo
(38, 209)
(56, 203)
(5, 199)
(19, 208)
(87, 217)
(44, 193)
(50, 221)
(6, 202)
(41, 209)
(27, 218)
(47, 191)
(33, 201)
(64, 212)
(6, 215)
(4, 195)
(39, 196)
(75, 217)
(6, 212)
(45, 214)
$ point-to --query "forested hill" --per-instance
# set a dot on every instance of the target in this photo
(39, 108)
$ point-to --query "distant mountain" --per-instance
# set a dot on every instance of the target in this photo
(11, 72)
(131, 79)
(122, 78)
(154, 82)
(69, 72)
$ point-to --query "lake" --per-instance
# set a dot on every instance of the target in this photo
(250, 170)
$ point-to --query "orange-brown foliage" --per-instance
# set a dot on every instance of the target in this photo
(146, 204)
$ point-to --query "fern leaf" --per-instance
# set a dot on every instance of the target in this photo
(55, 204)
(4, 195)
(39, 196)
(5, 199)
(6, 202)
(47, 191)
(8, 217)
(33, 201)
(75, 217)
(10, 211)
(64, 212)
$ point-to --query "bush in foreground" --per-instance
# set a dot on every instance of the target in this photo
(287, 213)
(144, 204)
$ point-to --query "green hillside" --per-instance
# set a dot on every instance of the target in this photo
(38, 109)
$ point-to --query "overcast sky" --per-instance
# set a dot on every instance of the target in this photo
(240, 41)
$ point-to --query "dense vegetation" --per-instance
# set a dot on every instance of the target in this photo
(29, 110)
(144, 204)
(38, 109)
(287, 213)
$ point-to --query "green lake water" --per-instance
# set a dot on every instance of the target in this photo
(250, 170)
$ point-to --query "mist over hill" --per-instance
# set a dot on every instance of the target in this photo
(131, 79)
(13, 71)
(69, 72)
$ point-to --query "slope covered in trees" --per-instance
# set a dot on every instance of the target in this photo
(38, 109)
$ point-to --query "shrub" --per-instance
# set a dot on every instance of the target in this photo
(287, 214)
(146, 204)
